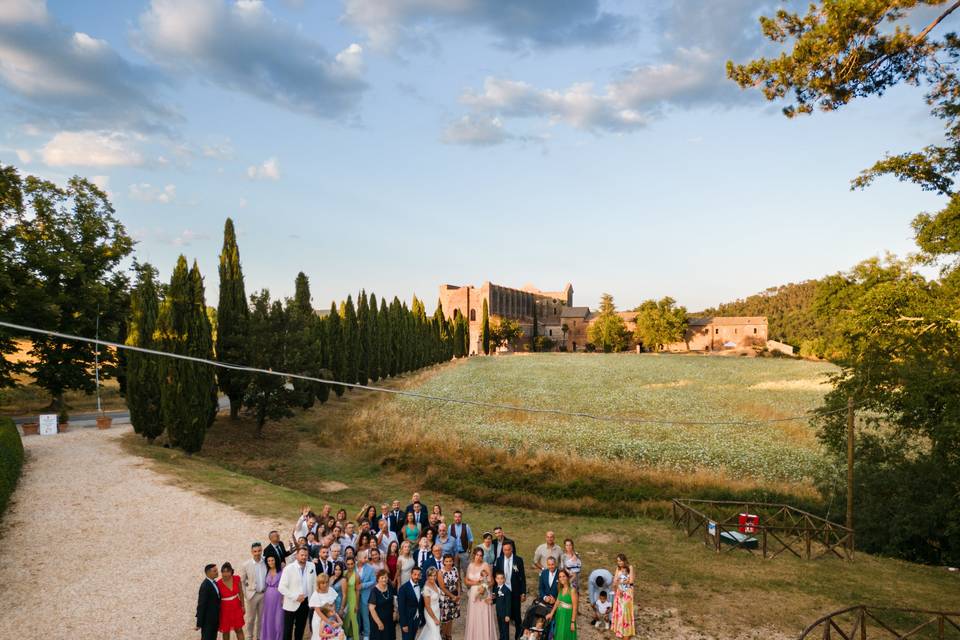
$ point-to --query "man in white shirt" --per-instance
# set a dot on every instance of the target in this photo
(348, 539)
(297, 583)
(385, 537)
(253, 576)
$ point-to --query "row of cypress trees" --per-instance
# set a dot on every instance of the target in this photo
(355, 343)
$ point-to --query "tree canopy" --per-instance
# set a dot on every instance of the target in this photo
(660, 323)
(608, 332)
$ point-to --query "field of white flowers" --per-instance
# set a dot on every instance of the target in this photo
(654, 387)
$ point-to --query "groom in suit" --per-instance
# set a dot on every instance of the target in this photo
(410, 606)
(511, 566)
(208, 605)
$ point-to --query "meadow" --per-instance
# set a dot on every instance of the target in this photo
(661, 389)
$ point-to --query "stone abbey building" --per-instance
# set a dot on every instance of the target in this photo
(568, 326)
(506, 302)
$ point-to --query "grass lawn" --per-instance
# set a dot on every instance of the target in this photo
(30, 399)
(311, 459)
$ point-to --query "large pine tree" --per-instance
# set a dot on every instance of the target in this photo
(301, 345)
(143, 370)
(385, 322)
(232, 318)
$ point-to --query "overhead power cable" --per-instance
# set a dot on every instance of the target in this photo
(412, 394)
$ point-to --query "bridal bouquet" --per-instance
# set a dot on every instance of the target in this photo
(482, 591)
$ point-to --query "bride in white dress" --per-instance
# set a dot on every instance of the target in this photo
(431, 607)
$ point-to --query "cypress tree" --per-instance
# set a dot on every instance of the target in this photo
(465, 324)
(267, 396)
(375, 330)
(457, 334)
(188, 394)
(485, 329)
(533, 341)
(351, 341)
(232, 318)
(301, 346)
(143, 370)
(363, 338)
(335, 347)
(200, 345)
(386, 340)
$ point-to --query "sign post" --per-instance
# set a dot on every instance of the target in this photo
(48, 424)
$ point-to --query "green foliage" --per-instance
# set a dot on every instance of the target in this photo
(11, 460)
(66, 269)
(901, 363)
(363, 340)
(188, 400)
(232, 318)
(375, 351)
(843, 50)
(302, 346)
(334, 360)
(485, 329)
(504, 333)
(351, 342)
(267, 397)
(660, 323)
(144, 370)
(384, 323)
(459, 342)
(608, 332)
(11, 210)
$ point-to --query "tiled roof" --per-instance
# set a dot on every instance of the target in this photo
(727, 320)
(575, 312)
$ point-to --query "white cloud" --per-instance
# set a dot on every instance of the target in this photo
(24, 156)
(162, 236)
(71, 80)
(268, 170)
(102, 182)
(91, 149)
(222, 150)
(476, 131)
(515, 24)
(145, 192)
(242, 47)
(23, 11)
(695, 39)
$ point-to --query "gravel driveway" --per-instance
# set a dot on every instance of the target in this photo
(99, 546)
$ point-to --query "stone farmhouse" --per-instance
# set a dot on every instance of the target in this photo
(568, 326)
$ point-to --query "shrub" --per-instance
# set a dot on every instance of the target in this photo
(11, 460)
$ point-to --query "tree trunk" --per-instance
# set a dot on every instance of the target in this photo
(234, 408)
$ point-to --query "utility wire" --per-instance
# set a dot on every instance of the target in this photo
(411, 394)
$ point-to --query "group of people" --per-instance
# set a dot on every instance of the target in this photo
(363, 578)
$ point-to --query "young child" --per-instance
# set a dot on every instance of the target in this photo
(536, 631)
(601, 611)
(333, 629)
(502, 594)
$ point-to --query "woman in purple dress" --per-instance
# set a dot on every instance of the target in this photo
(271, 625)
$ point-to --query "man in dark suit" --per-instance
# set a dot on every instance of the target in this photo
(276, 549)
(396, 518)
(419, 514)
(499, 539)
(323, 562)
(548, 582)
(410, 606)
(208, 605)
(414, 499)
(433, 561)
(511, 566)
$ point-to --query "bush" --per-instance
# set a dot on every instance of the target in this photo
(11, 460)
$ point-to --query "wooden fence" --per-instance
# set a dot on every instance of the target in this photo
(778, 529)
(863, 623)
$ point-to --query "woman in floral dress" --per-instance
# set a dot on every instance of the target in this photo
(622, 619)
(449, 583)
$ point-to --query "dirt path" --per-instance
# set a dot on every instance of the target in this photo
(99, 546)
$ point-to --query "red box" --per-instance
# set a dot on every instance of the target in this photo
(749, 523)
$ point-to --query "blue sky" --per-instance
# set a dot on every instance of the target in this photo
(399, 145)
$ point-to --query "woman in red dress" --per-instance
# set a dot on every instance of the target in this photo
(231, 602)
(393, 554)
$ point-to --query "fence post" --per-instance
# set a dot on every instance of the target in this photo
(863, 623)
(764, 539)
(806, 535)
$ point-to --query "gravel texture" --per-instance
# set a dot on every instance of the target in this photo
(99, 546)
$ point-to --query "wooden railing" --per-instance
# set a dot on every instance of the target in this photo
(780, 529)
(863, 623)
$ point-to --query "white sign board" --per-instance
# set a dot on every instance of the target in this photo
(48, 424)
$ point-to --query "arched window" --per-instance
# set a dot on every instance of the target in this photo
(473, 315)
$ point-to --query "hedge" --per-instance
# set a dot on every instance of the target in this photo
(11, 460)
